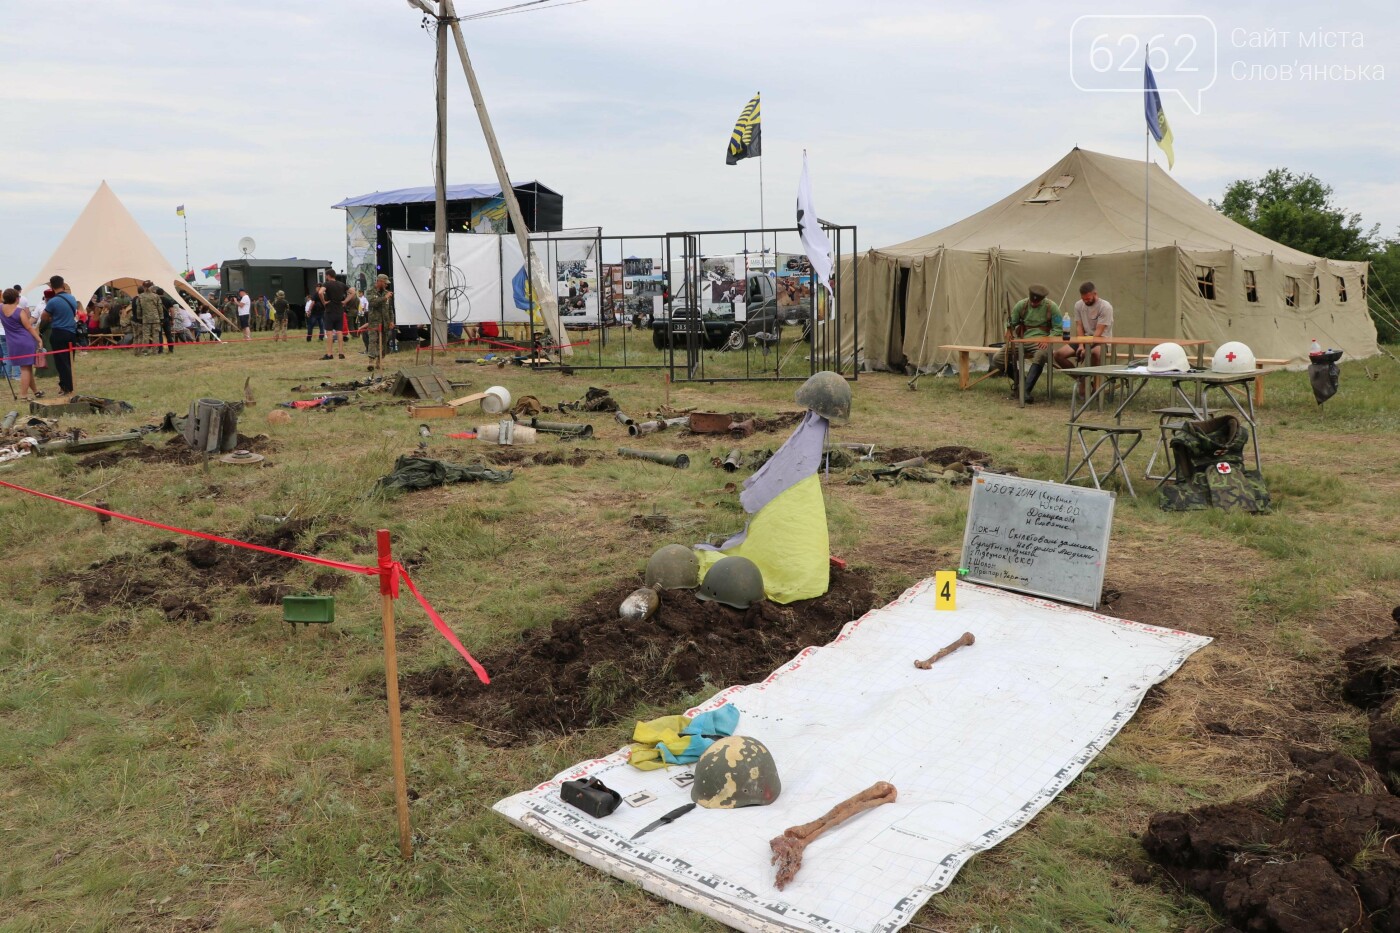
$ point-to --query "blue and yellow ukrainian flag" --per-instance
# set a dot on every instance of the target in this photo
(1157, 123)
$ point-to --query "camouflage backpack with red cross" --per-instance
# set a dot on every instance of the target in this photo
(1210, 471)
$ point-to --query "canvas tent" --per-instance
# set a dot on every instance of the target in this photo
(1082, 219)
(106, 246)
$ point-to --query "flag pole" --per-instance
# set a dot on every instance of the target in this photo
(1146, 217)
(186, 219)
(762, 223)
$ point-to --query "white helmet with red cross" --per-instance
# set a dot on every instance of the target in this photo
(1232, 357)
(1168, 358)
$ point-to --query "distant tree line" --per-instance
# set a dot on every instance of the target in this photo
(1298, 211)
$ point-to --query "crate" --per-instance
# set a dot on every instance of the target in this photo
(308, 610)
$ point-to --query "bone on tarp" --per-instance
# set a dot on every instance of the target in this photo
(937, 656)
(788, 848)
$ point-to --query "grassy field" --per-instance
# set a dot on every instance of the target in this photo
(229, 775)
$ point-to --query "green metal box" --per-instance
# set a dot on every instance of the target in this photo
(308, 610)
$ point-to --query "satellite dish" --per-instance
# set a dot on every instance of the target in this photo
(246, 245)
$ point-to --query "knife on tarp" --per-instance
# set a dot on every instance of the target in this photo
(668, 818)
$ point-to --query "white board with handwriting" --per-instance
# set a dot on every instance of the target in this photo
(1037, 537)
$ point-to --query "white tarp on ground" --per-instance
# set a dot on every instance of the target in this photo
(483, 269)
(976, 747)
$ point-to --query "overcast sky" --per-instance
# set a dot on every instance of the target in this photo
(257, 115)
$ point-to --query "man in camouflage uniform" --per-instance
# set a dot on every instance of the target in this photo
(146, 313)
(381, 319)
(1209, 460)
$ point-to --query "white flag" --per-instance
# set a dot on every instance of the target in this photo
(814, 239)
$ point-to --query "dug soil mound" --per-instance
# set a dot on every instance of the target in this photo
(178, 577)
(939, 456)
(515, 456)
(1315, 855)
(592, 668)
(174, 450)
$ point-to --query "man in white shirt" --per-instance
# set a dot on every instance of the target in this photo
(1093, 317)
(245, 313)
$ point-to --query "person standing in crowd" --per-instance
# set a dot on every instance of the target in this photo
(352, 318)
(24, 304)
(315, 314)
(167, 321)
(61, 311)
(22, 339)
(381, 320)
(149, 312)
(245, 314)
(333, 294)
(280, 312)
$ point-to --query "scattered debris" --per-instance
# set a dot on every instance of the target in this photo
(80, 405)
(322, 402)
(562, 427)
(528, 406)
(640, 605)
(412, 473)
(278, 416)
(677, 460)
(242, 458)
(422, 382)
(593, 400)
(506, 433)
(592, 668)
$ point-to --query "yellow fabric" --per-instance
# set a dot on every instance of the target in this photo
(787, 540)
(664, 730)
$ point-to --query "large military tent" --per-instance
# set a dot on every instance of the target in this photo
(106, 246)
(1207, 277)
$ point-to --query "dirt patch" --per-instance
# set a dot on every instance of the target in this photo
(515, 456)
(177, 577)
(657, 521)
(1315, 854)
(175, 450)
(592, 668)
(938, 456)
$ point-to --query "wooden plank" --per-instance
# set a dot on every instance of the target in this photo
(431, 411)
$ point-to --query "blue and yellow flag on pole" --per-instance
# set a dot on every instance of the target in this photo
(745, 139)
(1157, 123)
(180, 211)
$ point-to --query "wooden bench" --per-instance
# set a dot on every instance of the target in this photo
(104, 340)
(965, 363)
(1259, 381)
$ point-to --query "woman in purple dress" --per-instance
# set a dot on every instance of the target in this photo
(22, 339)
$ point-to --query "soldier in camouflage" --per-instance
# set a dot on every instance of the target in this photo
(146, 313)
(381, 319)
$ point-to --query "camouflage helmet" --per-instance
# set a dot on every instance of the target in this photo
(733, 581)
(827, 394)
(674, 567)
(736, 771)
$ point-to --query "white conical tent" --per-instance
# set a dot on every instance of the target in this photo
(106, 246)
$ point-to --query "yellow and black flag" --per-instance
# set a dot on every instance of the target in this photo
(746, 139)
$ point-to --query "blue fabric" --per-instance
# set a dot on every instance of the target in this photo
(521, 292)
(62, 310)
(1151, 102)
(703, 730)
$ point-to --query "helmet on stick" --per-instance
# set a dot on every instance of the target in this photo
(827, 394)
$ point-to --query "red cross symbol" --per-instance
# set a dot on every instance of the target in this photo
(1230, 356)
(1222, 468)
(1156, 356)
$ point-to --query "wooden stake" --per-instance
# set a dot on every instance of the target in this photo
(391, 681)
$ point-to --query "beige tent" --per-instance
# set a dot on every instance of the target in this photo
(106, 246)
(1207, 277)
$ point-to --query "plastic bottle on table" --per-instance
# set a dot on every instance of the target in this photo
(1315, 349)
(1065, 322)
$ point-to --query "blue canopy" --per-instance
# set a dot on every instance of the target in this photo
(420, 195)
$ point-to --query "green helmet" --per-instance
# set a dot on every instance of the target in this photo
(733, 581)
(736, 771)
(674, 567)
(827, 394)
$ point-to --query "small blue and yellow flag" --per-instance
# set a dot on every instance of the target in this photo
(745, 140)
(180, 211)
(1157, 123)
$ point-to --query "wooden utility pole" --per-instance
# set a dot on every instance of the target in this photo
(542, 280)
(438, 330)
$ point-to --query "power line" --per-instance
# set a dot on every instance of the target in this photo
(531, 6)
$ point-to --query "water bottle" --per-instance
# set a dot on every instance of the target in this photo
(1065, 322)
(1315, 349)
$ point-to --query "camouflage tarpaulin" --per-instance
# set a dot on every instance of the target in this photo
(424, 473)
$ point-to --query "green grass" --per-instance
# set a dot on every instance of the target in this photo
(231, 775)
